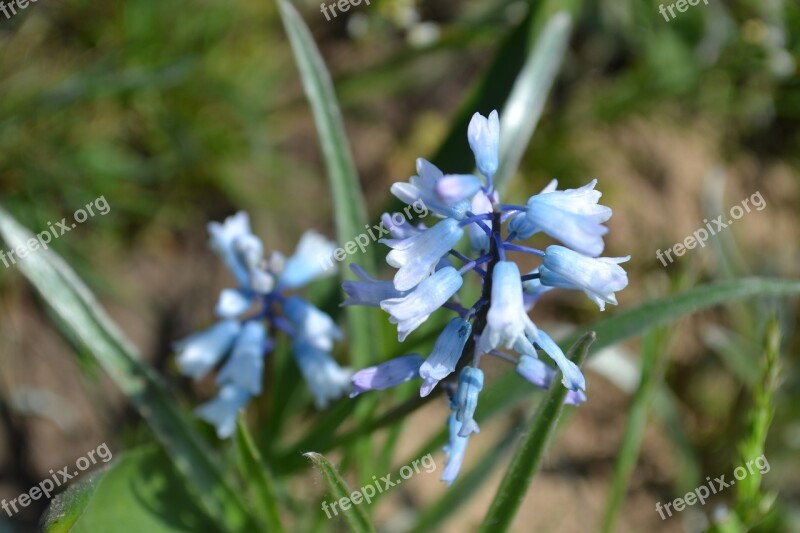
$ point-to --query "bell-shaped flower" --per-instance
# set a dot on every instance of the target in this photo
(470, 384)
(507, 323)
(200, 352)
(478, 239)
(411, 310)
(367, 290)
(233, 302)
(221, 412)
(324, 377)
(454, 451)
(483, 134)
(445, 355)
(572, 216)
(223, 239)
(308, 262)
(312, 324)
(572, 377)
(385, 375)
(423, 188)
(598, 277)
(538, 373)
(454, 188)
(416, 257)
(245, 366)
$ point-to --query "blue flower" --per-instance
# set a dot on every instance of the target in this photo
(454, 451)
(428, 279)
(470, 384)
(411, 310)
(572, 216)
(233, 302)
(307, 263)
(389, 374)
(367, 290)
(484, 140)
(317, 327)
(417, 256)
(326, 379)
(423, 187)
(455, 188)
(223, 409)
(445, 355)
(200, 352)
(535, 371)
(507, 323)
(223, 239)
(245, 366)
(572, 377)
(598, 277)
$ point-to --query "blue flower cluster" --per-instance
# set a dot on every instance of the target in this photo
(498, 321)
(249, 314)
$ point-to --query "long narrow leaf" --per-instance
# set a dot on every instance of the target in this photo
(337, 487)
(526, 460)
(255, 471)
(525, 104)
(76, 307)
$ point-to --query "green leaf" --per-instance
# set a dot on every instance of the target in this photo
(525, 104)
(337, 488)
(652, 371)
(258, 477)
(348, 202)
(140, 489)
(520, 472)
(87, 323)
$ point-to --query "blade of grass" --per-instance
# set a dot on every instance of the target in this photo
(525, 104)
(77, 308)
(652, 372)
(337, 487)
(349, 207)
(255, 471)
(525, 461)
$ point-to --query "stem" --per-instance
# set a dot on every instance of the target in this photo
(523, 249)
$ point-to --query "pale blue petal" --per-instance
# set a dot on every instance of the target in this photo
(417, 257)
(413, 309)
(313, 259)
(454, 451)
(324, 377)
(222, 411)
(200, 352)
(245, 367)
(367, 290)
(484, 139)
(445, 355)
(232, 303)
(385, 375)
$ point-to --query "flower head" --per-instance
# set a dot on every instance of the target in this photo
(305, 265)
(428, 279)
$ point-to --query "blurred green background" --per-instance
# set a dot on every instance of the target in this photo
(183, 112)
